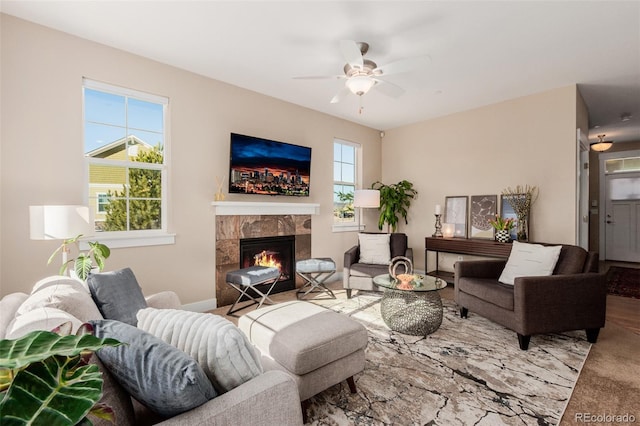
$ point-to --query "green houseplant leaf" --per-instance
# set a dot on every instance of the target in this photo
(395, 200)
(45, 379)
(83, 263)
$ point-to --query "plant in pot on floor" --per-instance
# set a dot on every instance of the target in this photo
(46, 378)
(83, 263)
(395, 200)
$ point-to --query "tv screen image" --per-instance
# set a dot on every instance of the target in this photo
(263, 166)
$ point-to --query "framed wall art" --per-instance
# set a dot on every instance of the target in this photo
(483, 209)
(455, 212)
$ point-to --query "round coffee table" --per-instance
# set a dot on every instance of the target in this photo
(414, 308)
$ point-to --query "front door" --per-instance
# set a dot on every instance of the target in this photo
(622, 217)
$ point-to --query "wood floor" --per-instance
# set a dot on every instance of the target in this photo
(623, 311)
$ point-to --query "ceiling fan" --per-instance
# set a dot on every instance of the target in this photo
(361, 74)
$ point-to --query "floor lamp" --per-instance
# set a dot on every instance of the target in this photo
(366, 199)
(59, 223)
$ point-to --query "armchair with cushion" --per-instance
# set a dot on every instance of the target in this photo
(572, 297)
(359, 272)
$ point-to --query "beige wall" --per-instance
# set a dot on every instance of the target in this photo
(529, 140)
(42, 161)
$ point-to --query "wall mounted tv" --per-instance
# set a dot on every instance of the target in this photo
(262, 166)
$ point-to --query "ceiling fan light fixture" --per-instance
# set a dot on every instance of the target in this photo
(360, 84)
(601, 145)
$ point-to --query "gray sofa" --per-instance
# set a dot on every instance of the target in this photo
(270, 398)
(359, 276)
(572, 298)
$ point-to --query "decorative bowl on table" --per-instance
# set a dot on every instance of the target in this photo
(404, 281)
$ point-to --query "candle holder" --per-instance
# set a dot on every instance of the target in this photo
(438, 232)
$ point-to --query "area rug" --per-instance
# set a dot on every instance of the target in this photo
(469, 372)
(623, 281)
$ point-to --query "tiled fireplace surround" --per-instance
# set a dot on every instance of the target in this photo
(237, 220)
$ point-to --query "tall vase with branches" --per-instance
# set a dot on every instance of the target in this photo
(521, 198)
(395, 200)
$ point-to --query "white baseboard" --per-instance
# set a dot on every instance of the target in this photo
(201, 306)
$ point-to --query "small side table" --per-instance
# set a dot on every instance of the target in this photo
(315, 272)
(415, 309)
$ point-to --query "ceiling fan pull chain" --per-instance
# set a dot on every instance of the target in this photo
(361, 108)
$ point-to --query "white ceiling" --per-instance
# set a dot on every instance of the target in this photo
(481, 52)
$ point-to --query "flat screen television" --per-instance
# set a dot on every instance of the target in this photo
(263, 166)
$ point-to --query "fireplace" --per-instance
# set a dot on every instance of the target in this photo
(278, 251)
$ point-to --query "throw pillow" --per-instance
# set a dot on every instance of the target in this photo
(114, 396)
(529, 260)
(57, 280)
(374, 249)
(66, 295)
(117, 295)
(42, 318)
(222, 350)
(162, 377)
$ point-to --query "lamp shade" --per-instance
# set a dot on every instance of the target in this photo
(59, 222)
(368, 198)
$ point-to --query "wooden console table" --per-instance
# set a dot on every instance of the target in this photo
(475, 247)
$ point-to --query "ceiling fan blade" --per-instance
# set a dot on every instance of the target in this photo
(403, 65)
(341, 94)
(351, 53)
(388, 89)
(320, 77)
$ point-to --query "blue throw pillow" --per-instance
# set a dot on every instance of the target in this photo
(117, 295)
(165, 379)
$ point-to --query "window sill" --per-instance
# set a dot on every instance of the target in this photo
(347, 228)
(130, 240)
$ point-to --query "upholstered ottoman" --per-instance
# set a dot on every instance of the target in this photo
(315, 272)
(316, 346)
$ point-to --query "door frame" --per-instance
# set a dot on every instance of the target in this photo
(601, 208)
(582, 190)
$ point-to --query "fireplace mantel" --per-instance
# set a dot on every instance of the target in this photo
(236, 208)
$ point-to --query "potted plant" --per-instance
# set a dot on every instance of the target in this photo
(83, 262)
(395, 200)
(503, 228)
(67, 388)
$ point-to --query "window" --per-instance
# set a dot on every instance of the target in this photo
(617, 165)
(125, 148)
(103, 200)
(345, 167)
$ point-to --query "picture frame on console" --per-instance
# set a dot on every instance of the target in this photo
(507, 212)
(455, 212)
(483, 209)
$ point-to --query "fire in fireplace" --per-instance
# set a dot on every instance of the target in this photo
(276, 252)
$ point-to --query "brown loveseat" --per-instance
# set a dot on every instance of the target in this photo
(572, 298)
(359, 276)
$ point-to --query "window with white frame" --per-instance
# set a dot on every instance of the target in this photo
(345, 173)
(125, 149)
(102, 200)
